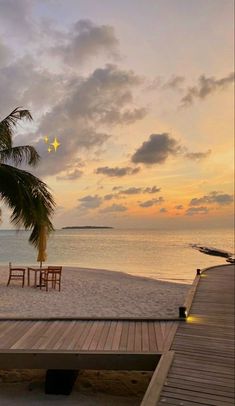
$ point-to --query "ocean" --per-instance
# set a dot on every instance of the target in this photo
(165, 255)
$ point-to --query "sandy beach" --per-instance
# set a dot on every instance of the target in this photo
(86, 293)
(93, 293)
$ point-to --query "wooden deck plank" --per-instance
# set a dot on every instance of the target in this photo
(13, 335)
(67, 334)
(110, 336)
(39, 338)
(103, 337)
(145, 336)
(172, 328)
(131, 337)
(25, 338)
(159, 337)
(138, 337)
(84, 334)
(87, 342)
(5, 326)
(203, 387)
(117, 336)
(152, 338)
(201, 398)
(71, 340)
(95, 339)
(124, 336)
(202, 372)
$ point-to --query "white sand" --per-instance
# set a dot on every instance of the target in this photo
(92, 293)
(86, 293)
(92, 388)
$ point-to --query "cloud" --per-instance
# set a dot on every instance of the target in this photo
(103, 96)
(81, 107)
(114, 208)
(126, 117)
(5, 54)
(24, 84)
(156, 150)
(196, 210)
(153, 189)
(115, 188)
(86, 39)
(137, 190)
(179, 207)
(71, 175)
(90, 202)
(159, 147)
(175, 82)
(222, 199)
(117, 171)
(79, 111)
(197, 156)
(131, 191)
(109, 196)
(16, 18)
(163, 210)
(152, 202)
(205, 87)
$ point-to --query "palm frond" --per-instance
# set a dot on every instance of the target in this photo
(7, 126)
(29, 199)
(18, 155)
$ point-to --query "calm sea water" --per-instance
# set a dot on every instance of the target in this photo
(157, 254)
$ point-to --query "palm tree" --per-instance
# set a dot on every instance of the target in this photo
(27, 196)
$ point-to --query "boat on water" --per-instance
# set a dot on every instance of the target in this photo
(213, 251)
(231, 259)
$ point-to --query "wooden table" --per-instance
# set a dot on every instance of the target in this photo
(36, 270)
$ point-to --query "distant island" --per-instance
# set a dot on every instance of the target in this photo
(85, 227)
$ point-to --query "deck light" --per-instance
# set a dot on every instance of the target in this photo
(183, 312)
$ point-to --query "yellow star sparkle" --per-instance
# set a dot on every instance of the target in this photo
(46, 139)
(55, 144)
(49, 149)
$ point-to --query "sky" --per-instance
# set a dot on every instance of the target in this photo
(139, 94)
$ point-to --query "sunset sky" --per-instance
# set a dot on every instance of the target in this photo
(139, 93)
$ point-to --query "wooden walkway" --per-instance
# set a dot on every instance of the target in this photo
(109, 344)
(202, 372)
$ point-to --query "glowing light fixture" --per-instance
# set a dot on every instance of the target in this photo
(183, 312)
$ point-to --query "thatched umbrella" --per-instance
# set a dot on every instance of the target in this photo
(42, 255)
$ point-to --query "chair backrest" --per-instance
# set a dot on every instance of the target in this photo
(54, 268)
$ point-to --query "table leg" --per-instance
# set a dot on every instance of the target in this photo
(35, 279)
(28, 276)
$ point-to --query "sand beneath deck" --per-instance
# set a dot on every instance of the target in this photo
(86, 293)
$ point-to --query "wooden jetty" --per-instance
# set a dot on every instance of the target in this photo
(199, 368)
(84, 344)
(192, 358)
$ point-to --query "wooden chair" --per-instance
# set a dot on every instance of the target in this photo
(51, 275)
(16, 273)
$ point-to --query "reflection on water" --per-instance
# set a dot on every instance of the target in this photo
(152, 253)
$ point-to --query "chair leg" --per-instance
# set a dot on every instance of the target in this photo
(9, 280)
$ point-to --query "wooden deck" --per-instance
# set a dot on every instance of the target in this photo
(202, 371)
(90, 344)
